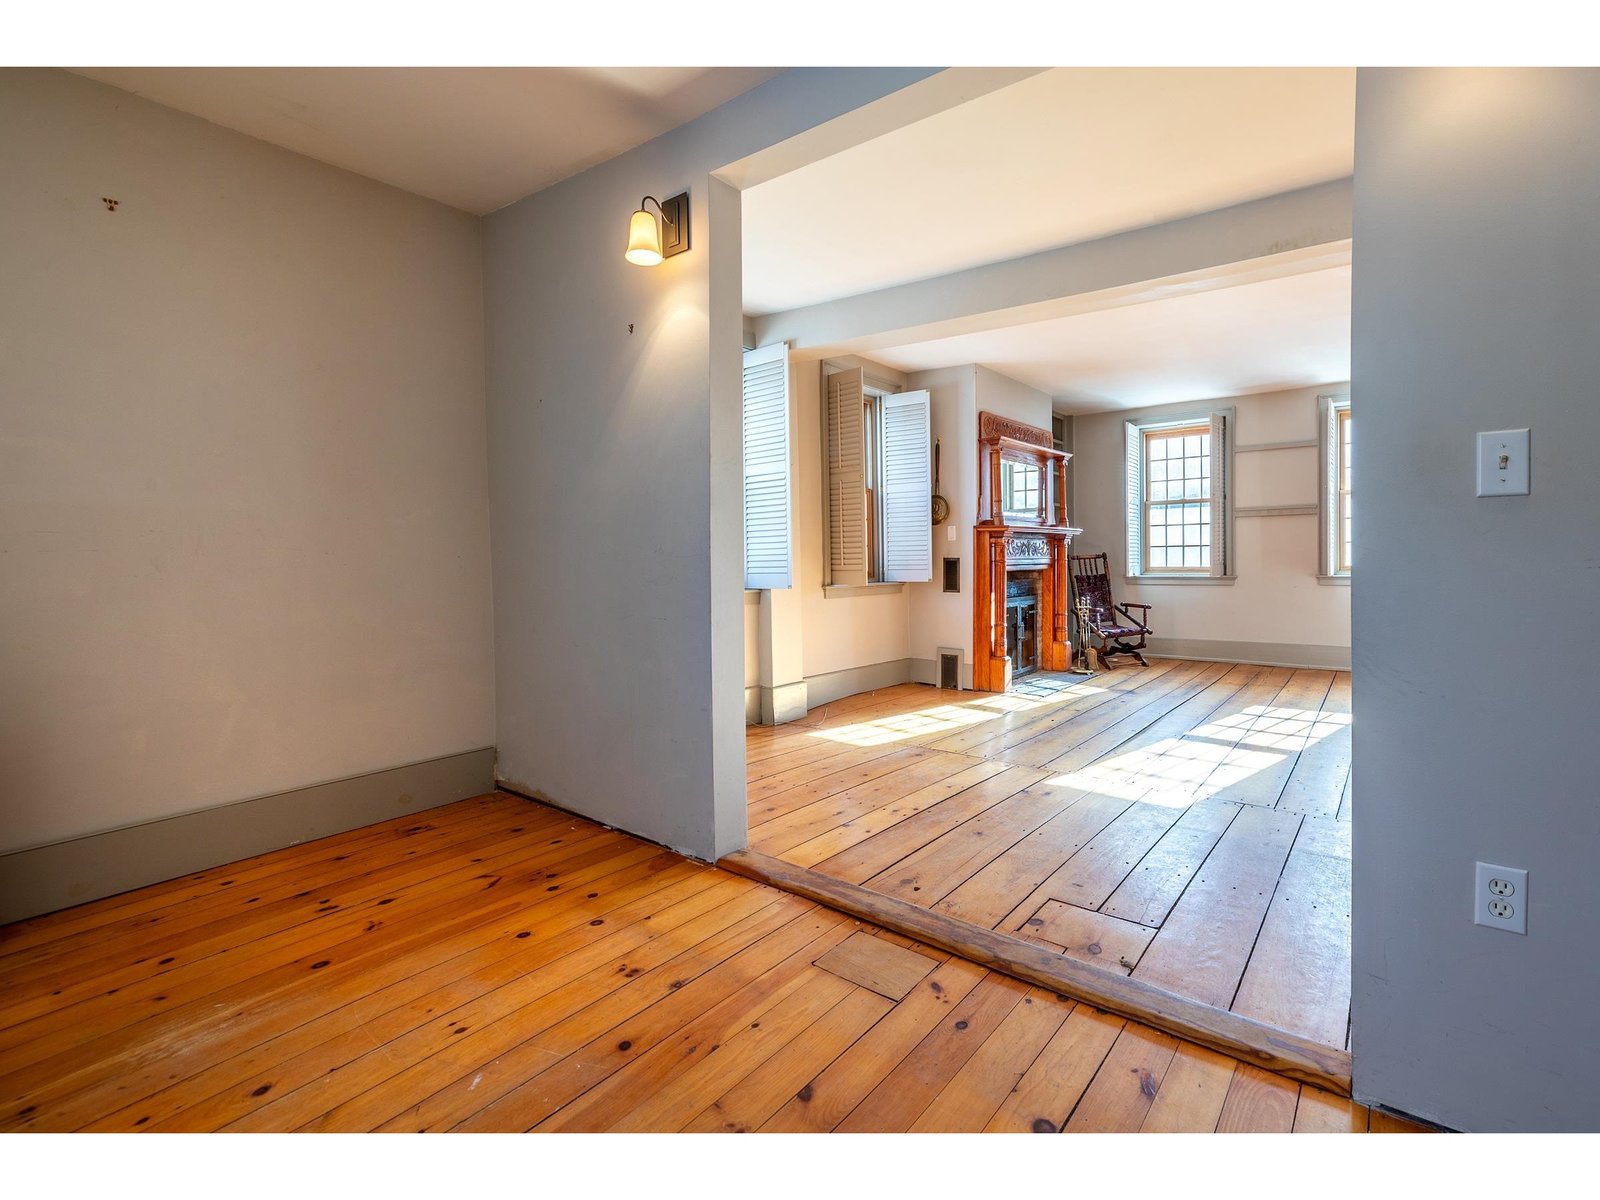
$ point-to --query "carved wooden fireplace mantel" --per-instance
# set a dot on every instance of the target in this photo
(1021, 529)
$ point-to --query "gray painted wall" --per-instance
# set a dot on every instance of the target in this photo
(1477, 288)
(615, 477)
(244, 536)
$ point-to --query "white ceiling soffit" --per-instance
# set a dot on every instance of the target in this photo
(1288, 332)
(1060, 157)
(476, 138)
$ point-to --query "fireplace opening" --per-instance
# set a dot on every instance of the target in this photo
(1022, 621)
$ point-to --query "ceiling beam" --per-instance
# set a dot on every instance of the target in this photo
(1288, 234)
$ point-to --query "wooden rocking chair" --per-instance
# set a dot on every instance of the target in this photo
(1110, 626)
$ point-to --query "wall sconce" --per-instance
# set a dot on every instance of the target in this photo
(648, 244)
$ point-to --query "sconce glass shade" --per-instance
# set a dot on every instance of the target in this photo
(644, 240)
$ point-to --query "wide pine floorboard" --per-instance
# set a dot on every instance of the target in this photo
(498, 965)
(1185, 823)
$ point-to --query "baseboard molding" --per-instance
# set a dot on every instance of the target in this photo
(59, 875)
(836, 685)
(752, 705)
(1258, 654)
(783, 702)
(1262, 1045)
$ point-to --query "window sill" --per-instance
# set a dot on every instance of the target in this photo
(1334, 580)
(845, 591)
(1164, 580)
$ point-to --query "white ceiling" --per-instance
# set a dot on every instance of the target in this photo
(1254, 337)
(475, 138)
(1063, 156)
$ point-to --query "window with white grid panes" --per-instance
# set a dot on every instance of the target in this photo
(1177, 499)
(1344, 538)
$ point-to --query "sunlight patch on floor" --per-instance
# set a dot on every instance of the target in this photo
(1177, 772)
(948, 718)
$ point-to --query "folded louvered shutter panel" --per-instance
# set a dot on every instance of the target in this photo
(1133, 489)
(1221, 503)
(766, 468)
(907, 489)
(847, 481)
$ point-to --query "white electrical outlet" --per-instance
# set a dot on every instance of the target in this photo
(1500, 898)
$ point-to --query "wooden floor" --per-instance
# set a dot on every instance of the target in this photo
(497, 965)
(1186, 823)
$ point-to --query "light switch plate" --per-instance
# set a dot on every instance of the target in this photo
(1503, 463)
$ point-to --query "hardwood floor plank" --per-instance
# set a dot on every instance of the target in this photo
(1192, 1093)
(820, 787)
(765, 1032)
(1318, 1111)
(1119, 1098)
(1056, 1080)
(1382, 1122)
(1147, 895)
(754, 1099)
(900, 1098)
(1203, 946)
(696, 1035)
(1029, 720)
(1090, 937)
(1090, 876)
(944, 864)
(1258, 1103)
(1298, 976)
(863, 826)
(884, 848)
(802, 824)
(975, 1093)
(1316, 785)
(828, 1098)
(878, 965)
(1125, 717)
(989, 893)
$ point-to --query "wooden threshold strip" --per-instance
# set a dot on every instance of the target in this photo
(1252, 1041)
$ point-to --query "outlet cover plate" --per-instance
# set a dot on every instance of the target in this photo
(1500, 898)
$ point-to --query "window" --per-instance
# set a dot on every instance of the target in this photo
(879, 483)
(1177, 499)
(1337, 540)
(1021, 490)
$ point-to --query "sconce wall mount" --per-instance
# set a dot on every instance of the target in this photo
(649, 243)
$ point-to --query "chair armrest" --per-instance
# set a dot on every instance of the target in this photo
(1141, 622)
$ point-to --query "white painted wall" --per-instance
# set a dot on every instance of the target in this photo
(243, 491)
(619, 647)
(1277, 600)
(1476, 258)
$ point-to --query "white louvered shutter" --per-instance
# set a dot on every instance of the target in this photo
(1221, 505)
(847, 480)
(907, 489)
(767, 538)
(1133, 481)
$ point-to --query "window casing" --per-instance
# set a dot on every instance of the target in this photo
(1337, 522)
(1179, 515)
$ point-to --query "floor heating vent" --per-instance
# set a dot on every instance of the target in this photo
(949, 670)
